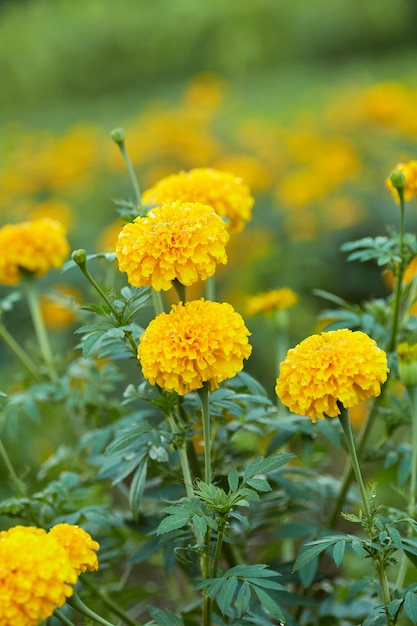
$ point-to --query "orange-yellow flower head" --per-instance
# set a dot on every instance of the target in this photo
(79, 546)
(337, 366)
(409, 170)
(35, 576)
(196, 342)
(178, 240)
(36, 246)
(225, 192)
(270, 301)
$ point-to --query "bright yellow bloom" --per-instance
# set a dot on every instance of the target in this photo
(409, 170)
(35, 576)
(196, 342)
(36, 246)
(178, 240)
(271, 301)
(226, 193)
(339, 366)
(79, 546)
(58, 308)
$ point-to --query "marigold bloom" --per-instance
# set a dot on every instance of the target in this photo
(79, 546)
(409, 170)
(196, 342)
(271, 301)
(35, 576)
(226, 193)
(36, 246)
(58, 308)
(178, 240)
(337, 366)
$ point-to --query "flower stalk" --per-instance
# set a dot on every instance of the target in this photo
(24, 358)
(118, 136)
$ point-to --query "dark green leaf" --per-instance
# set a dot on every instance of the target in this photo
(137, 488)
(269, 604)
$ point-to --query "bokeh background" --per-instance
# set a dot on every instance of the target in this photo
(312, 103)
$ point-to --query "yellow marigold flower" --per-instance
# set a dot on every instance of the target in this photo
(409, 170)
(339, 366)
(226, 193)
(196, 342)
(271, 301)
(35, 576)
(36, 246)
(78, 545)
(178, 240)
(58, 309)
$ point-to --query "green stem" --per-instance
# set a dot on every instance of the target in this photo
(76, 602)
(113, 606)
(119, 137)
(348, 475)
(180, 289)
(157, 302)
(63, 618)
(30, 290)
(210, 288)
(182, 453)
(205, 411)
(219, 543)
(20, 486)
(412, 392)
(347, 430)
(399, 277)
(11, 342)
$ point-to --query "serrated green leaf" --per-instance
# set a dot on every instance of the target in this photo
(410, 606)
(266, 465)
(137, 488)
(310, 553)
(233, 480)
(200, 523)
(225, 597)
(269, 604)
(164, 618)
(173, 522)
(260, 484)
(339, 552)
(243, 598)
(395, 536)
(395, 606)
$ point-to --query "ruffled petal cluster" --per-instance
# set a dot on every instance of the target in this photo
(196, 342)
(225, 192)
(339, 366)
(409, 170)
(270, 301)
(178, 240)
(36, 246)
(79, 546)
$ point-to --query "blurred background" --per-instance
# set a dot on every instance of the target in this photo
(312, 104)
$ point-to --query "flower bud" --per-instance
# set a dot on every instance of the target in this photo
(397, 179)
(407, 363)
(118, 135)
(79, 256)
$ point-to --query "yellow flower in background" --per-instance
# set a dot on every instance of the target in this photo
(225, 192)
(36, 246)
(271, 301)
(409, 170)
(196, 342)
(339, 366)
(79, 546)
(58, 306)
(178, 240)
(35, 576)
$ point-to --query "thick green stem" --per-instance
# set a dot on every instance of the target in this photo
(113, 606)
(205, 411)
(31, 293)
(76, 602)
(180, 289)
(399, 277)
(219, 543)
(412, 392)
(182, 453)
(210, 288)
(11, 342)
(63, 618)
(157, 302)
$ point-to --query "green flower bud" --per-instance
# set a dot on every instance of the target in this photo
(397, 179)
(407, 363)
(118, 135)
(79, 256)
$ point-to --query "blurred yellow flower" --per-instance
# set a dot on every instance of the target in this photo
(339, 366)
(178, 240)
(35, 576)
(79, 546)
(196, 342)
(409, 170)
(58, 307)
(36, 246)
(271, 301)
(225, 192)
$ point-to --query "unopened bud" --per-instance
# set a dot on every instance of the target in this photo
(398, 179)
(118, 135)
(407, 364)
(79, 256)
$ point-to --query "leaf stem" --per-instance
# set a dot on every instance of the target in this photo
(76, 602)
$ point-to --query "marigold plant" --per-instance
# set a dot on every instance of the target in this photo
(225, 192)
(35, 246)
(178, 240)
(409, 170)
(339, 366)
(196, 342)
